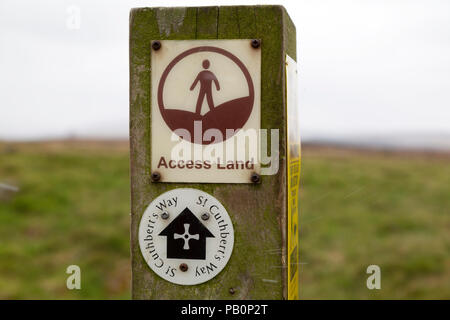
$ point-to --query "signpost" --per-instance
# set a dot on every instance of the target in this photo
(215, 153)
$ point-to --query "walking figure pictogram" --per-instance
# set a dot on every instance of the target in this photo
(206, 78)
(231, 112)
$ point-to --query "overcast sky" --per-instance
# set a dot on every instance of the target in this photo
(366, 67)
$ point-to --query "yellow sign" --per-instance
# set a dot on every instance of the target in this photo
(293, 170)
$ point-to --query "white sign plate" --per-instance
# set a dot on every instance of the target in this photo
(186, 236)
(206, 110)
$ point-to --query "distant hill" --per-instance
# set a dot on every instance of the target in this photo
(431, 142)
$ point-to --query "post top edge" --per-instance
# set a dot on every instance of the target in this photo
(275, 6)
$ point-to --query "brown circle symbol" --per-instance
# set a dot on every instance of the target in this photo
(232, 114)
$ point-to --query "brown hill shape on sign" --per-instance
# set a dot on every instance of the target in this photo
(232, 114)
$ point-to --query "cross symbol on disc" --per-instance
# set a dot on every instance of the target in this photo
(186, 236)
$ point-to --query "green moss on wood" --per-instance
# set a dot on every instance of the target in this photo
(228, 26)
(207, 22)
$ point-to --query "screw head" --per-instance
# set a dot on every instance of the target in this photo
(165, 215)
(231, 291)
(255, 43)
(183, 267)
(156, 45)
(205, 216)
(256, 178)
(156, 176)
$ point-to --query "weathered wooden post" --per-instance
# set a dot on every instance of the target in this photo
(212, 217)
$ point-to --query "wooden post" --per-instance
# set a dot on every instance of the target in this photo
(258, 267)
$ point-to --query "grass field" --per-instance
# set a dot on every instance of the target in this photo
(357, 208)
